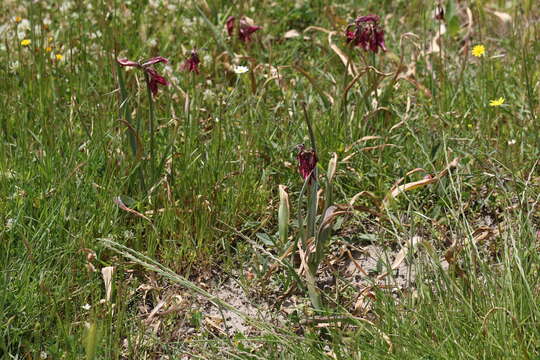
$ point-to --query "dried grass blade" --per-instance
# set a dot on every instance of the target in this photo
(399, 189)
(118, 201)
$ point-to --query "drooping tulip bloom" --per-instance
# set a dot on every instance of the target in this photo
(246, 28)
(192, 62)
(307, 161)
(366, 33)
(152, 77)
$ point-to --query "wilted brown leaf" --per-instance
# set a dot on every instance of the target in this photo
(399, 189)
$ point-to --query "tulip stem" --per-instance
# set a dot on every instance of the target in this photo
(151, 126)
(312, 183)
(123, 108)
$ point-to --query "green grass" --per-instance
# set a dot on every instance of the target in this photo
(66, 155)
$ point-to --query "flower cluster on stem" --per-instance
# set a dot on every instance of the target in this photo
(366, 33)
(192, 63)
(246, 28)
(152, 77)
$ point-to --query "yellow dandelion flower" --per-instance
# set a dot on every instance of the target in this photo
(48, 49)
(497, 102)
(18, 19)
(26, 42)
(59, 57)
(479, 50)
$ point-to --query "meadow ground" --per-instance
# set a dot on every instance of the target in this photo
(155, 203)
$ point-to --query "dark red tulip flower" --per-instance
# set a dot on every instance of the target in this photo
(307, 161)
(246, 28)
(366, 33)
(192, 63)
(152, 76)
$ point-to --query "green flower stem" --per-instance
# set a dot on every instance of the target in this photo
(151, 127)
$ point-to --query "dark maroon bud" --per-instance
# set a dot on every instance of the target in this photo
(307, 161)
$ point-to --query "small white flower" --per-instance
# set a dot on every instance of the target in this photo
(37, 31)
(24, 25)
(8, 174)
(86, 307)
(95, 35)
(187, 22)
(241, 69)
(9, 223)
(4, 29)
(13, 65)
(208, 94)
(154, 4)
(43, 355)
(65, 7)
(511, 142)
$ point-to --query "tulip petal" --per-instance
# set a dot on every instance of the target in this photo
(192, 63)
(307, 161)
(247, 28)
(230, 25)
(154, 76)
(152, 84)
(155, 60)
(126, 62)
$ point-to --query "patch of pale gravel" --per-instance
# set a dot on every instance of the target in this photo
(373, 261)
(232, 293)
(362, 271)
(367, 267)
